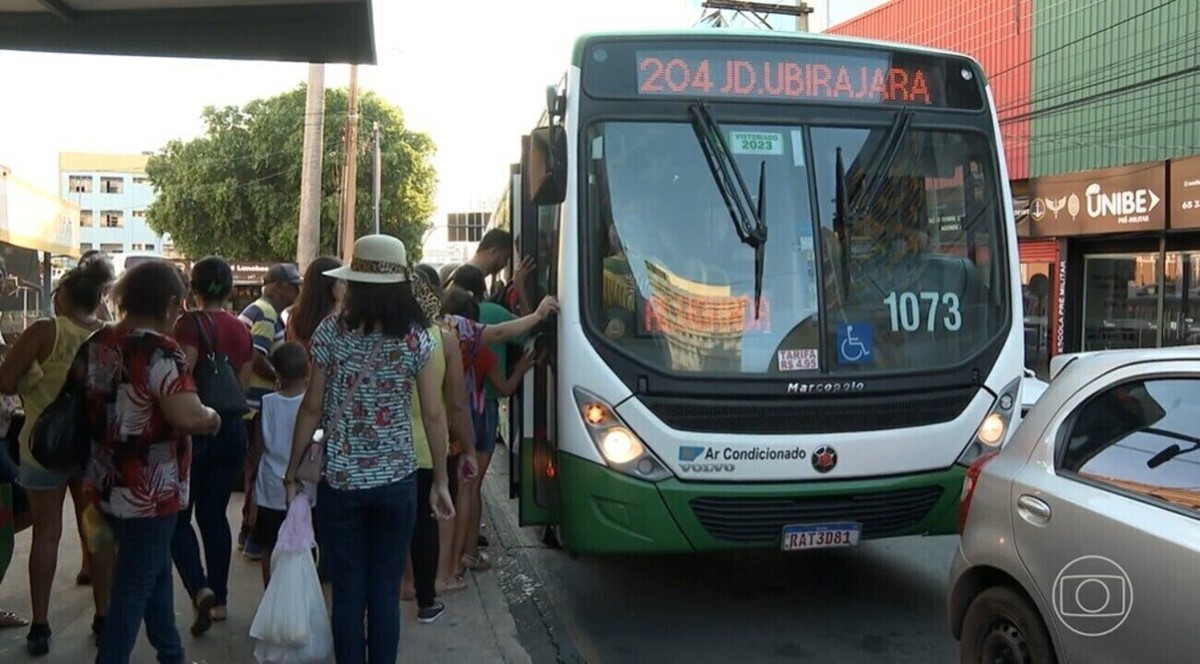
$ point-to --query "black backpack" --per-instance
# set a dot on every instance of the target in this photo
(217, 383)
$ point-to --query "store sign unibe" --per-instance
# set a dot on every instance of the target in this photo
(1185, 193)
(1112, 200)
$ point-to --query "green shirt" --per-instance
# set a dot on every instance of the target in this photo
(491, 313)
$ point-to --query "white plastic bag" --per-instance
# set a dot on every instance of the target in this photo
(291, 625)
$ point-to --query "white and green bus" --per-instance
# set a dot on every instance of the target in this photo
(790, 295)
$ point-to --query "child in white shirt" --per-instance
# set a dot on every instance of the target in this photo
(279, 410)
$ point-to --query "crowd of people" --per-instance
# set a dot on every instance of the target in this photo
(395, 370)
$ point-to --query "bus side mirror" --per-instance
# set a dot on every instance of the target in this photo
(546, 170)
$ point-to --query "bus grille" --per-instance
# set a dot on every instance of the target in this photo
(842, 415)
(761, 520)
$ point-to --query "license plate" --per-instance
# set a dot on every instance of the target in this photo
(802, 537)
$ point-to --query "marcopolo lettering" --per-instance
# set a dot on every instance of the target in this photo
(826, 388)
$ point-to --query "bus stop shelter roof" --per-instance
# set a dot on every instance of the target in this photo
(333, 31)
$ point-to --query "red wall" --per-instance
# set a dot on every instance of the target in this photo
(995, 32)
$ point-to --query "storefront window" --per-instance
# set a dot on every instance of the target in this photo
(1036, 291)
(1120, 301)
(1181, 304)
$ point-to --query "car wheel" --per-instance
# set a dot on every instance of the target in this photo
(1003, 627)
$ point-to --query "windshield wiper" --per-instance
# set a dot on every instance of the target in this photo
(846, 213)
(880, 164)
(749, 219)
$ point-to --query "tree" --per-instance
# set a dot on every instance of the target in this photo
(235, 191)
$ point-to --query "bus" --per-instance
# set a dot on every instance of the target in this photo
(790, 292)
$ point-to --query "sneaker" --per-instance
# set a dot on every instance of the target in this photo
(429, 614)
(252, 551)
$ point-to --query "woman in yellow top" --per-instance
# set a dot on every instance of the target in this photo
(36, 368)
(447, 362)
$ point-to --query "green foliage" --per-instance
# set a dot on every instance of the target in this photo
(235, 191)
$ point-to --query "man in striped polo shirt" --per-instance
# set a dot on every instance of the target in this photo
(281, 288)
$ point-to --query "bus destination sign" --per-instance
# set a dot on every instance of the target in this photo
(861, 77)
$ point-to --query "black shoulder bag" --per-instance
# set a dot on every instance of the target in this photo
(60, 440)
(217, 383)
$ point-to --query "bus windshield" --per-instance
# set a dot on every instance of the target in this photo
(910, 279)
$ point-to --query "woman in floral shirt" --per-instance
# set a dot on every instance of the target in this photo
(367, 362)
(141, 407)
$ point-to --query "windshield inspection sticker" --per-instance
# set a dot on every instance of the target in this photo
(755, 142)
(798, 359)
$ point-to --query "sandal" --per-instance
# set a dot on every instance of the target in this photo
(478, 562)
(204, 603)
(455, 583)
(10, 619)
(219, 613)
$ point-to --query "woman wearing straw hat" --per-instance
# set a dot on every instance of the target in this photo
(366, 362)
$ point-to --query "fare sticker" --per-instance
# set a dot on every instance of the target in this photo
(798, 359)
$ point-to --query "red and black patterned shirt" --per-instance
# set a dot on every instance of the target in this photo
(140, 467)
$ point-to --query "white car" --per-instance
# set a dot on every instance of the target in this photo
(1032, 389)
(1081, 537)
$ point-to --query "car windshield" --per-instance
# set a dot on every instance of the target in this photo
(910, 282)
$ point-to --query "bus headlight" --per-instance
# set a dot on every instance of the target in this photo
(996, 427)
(619, 446)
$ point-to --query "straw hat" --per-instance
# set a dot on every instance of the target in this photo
(378, 259)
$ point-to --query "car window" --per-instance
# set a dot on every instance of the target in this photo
(1143, 438)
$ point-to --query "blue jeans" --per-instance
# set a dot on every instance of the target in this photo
(143, 589)
(367, 534)
(486, 424)
(216, 465)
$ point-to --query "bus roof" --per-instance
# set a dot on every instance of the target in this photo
(732, 34)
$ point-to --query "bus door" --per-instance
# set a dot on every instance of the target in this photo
(539, 217)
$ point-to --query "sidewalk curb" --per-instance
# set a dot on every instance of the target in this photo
(496, 609)
(543, 635)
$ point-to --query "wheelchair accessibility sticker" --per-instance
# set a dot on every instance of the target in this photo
(855, 343)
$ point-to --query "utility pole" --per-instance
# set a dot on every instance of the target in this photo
(757, 13)
(378, 176)
(350, 188)
(309, 238)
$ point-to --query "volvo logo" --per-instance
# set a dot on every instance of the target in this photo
(824, 459)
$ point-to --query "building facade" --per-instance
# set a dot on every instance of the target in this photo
(1098, 108)
(112, 192)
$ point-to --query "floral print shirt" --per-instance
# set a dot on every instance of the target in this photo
(477, 359)
(368, 441)
(140, 467)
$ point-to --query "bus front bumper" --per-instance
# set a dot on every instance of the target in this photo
(607, 512)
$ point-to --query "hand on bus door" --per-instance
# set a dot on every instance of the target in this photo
(548, 306)
(524, 269)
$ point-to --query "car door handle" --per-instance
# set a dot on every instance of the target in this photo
(1033, 510)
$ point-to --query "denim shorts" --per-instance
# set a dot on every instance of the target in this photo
(40, 479)
(486, 424)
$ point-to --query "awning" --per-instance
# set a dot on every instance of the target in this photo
(36, 219)
(330, 31)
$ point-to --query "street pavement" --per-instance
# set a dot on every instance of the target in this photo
(883, 601)
(477, 626)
